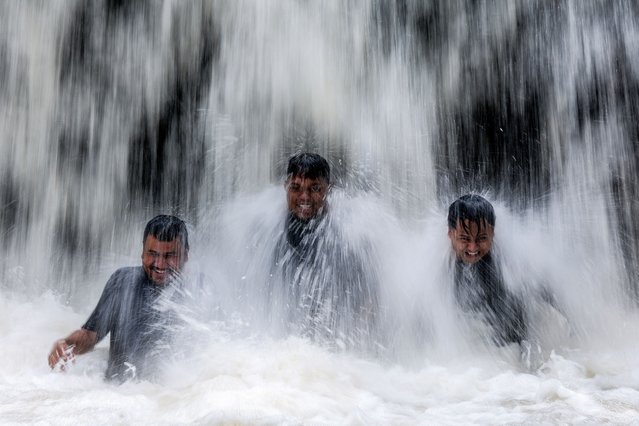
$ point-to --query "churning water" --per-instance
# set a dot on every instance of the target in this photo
(114, 111)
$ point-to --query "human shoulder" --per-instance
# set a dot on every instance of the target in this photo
(194, 282)
(126, 276)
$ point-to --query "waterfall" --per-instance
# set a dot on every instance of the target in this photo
(114, 111)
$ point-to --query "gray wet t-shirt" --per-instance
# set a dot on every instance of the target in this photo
(126, 312)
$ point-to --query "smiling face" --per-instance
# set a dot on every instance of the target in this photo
(471, 242)
(162, 259)
(306, 196)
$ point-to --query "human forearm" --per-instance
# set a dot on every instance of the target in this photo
(76, 343)
(84, 340)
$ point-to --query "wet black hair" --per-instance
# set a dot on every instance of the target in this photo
(167, 228)
(309, 165)
(471, 207)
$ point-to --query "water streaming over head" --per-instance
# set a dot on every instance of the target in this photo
(115, 111)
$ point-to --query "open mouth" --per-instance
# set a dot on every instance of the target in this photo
(304, 208)
(472, 256)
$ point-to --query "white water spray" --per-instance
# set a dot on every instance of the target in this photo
(112, 112)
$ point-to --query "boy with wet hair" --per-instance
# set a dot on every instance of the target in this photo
(479, 286)
(126, 310)
(307, 186)
(165, 227)
(309, 165)
(472, 207)
(323, 286)
(471, 223)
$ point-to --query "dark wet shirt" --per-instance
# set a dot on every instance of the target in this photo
(326, 285)
(479, 288)
(126, 312)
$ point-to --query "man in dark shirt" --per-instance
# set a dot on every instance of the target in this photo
(479, 287)
(325, 285)
(126, 308)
